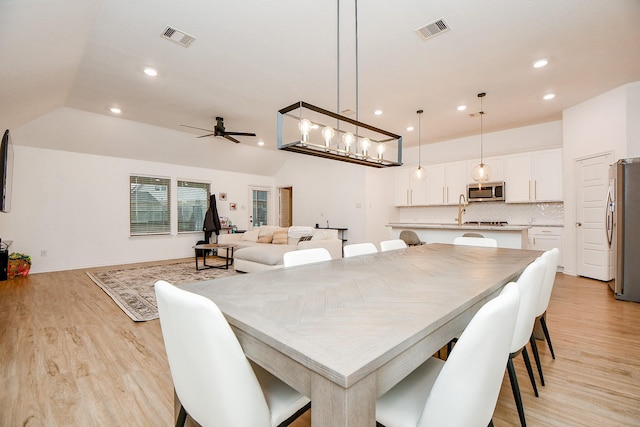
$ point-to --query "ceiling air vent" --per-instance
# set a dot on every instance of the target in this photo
(178, 36)
(432, 29)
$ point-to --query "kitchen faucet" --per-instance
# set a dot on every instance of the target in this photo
(461, 203)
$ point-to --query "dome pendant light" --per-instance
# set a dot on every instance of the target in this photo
(480, 173)
(418, 173)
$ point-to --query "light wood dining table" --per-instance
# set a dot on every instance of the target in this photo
(345, 331)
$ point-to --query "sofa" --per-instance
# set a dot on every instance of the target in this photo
(263, 248)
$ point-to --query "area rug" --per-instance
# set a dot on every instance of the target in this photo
(132, 288)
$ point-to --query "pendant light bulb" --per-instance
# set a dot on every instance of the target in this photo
(305, 128)
(480, 172)
(418, 174)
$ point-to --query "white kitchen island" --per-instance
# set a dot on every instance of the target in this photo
(508, 236)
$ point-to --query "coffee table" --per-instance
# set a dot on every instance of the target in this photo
(228, 258)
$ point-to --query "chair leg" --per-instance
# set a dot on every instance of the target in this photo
(536, 356)
(182, 417)
(490, 423)
(295, 416)
(527, 363)
(516, 391)
(543, 323)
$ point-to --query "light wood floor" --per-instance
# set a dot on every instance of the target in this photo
(70, 357)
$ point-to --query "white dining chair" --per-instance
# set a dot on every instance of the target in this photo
(462, 391)
(390, 245)
(356, 249)
(476, 241)
(550, 257)
(212, 377)
(530, 285)
(306, 256)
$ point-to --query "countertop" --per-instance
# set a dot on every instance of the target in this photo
(454, 226)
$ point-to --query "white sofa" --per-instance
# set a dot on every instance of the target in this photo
(257, 250)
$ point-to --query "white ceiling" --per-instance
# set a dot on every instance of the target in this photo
(252, 58)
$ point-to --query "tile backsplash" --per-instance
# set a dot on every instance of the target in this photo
(513, 213)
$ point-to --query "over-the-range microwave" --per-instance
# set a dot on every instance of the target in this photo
(485, 192)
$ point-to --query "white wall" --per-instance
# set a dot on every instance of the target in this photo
(527, 138)
(76, 208)
(605, 124)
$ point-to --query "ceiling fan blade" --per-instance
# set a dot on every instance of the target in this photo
(193, 127)
(240, 133)
(204, 136)
(232, 139)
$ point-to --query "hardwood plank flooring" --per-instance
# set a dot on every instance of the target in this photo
(70, 357)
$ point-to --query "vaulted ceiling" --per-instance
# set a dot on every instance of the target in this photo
(251, 58)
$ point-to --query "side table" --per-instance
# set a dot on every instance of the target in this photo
(206, 247)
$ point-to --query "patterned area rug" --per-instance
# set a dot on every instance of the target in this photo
(132, 288)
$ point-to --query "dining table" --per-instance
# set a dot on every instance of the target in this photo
(345, 331)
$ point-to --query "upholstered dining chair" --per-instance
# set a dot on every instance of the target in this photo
(356, 249)
(530, 284)
(551, 259)
(476, 241)
(390, 245)
(463, 391)
(410, 238)
(212, 377)
(306, 256)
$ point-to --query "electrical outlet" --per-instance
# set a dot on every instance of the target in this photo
(43, 252)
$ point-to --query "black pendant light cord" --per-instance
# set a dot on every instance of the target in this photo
(481, 95)
(419, 112)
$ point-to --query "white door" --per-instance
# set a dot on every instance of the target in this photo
(592, 251)
(260, 213)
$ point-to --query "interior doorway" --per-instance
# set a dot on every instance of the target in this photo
(285, 211)
(593, 255)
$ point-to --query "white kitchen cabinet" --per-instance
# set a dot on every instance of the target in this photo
(445, 183)
(495, 169)
(546, 238)
(409, 192)
(533, 177)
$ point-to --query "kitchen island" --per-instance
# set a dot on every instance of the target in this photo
(508, 236)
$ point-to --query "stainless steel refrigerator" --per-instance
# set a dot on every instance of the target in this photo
(623, 228)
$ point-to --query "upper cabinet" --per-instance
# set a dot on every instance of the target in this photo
(533, 177)
(445, 183)
(409, 192)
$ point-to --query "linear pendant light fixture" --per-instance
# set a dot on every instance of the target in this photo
(480, 172)
(318, 132)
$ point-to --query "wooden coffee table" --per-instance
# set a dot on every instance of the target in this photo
(228, 258)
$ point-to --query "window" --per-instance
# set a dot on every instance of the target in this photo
(260, 198)
(193, 199)
(149, 205)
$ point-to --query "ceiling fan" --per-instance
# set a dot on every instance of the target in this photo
(218, 130)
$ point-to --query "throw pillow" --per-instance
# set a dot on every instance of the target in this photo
(265, 238)
(280, 237)
(251, 235)
(319, 235)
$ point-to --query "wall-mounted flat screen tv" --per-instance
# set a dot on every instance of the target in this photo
(6, 171)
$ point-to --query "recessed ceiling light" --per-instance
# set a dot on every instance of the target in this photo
(549, 96)
(116, 110)
(540, 63)
(150, 72)
(260, 143)
(377, 112)
(410, 128)
(462, 107)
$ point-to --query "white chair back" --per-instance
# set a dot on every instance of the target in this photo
(530, 284)
(390, 245)
(476, 241)
(551, 259)
(211, 375)
(359, 249)
(467, 388)
(306, 256)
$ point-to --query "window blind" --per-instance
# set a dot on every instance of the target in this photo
(149, 205)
